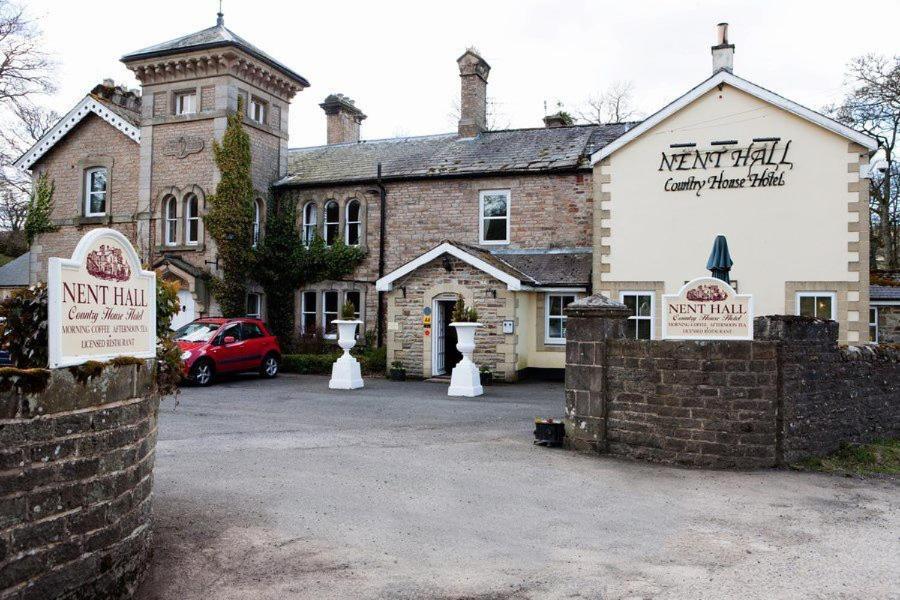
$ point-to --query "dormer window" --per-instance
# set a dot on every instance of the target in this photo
(258, 110)
(95, 187)
(185, 103)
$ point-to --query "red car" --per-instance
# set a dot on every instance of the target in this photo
(215, 345)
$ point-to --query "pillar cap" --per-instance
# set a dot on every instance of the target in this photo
(597, 305)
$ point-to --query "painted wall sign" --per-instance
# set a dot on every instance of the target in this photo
(707, 309)
(101, 303)
(754, 167)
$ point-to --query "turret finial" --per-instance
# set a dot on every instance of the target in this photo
(220, 16)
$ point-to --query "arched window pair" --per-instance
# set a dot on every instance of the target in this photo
(191, 220)
(332, 224)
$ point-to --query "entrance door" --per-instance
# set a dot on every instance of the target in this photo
(444, 353)
(187, 311)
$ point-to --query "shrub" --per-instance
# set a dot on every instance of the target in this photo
(373, 360)
(308, 364)
(463, 314)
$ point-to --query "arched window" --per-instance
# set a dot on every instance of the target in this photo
(257, 221)
(332, 222)
(192, 219)
(353, 223)
(309, 222)
(170, 212)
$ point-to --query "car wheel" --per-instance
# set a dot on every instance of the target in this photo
(202, 372)
(269, 366)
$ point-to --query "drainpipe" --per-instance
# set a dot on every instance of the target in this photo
(379, 327)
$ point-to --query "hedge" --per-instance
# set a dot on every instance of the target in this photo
(371, 361)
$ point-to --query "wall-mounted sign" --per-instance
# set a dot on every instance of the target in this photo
(727, 168)
(183, 146)
(508, 326)
(101, 304)
(707, 309)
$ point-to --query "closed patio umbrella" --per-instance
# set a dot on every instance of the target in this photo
(719, 263)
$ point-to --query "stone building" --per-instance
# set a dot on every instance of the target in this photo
(508, 220)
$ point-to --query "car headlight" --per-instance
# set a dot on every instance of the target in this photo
(185, 355)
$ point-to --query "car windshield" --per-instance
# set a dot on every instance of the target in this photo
(197, 332)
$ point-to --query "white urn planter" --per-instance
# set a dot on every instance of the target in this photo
(345, 373)
(465, 380)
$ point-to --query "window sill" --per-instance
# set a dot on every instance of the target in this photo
(181, 248)
(92, 220)
(494, 243)
(554, 342)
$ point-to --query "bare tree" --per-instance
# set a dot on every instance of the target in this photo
(872, 105)
(496, 119)
(24, 69)
(614, 105)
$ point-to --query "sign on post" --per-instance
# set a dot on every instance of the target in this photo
(101, 303)
(707, 309)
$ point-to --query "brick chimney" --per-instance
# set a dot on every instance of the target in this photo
(473, 74)
(722, 52)
(343, 119)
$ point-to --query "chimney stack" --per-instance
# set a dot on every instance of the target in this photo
(723, 52)
(560, 119)
(343, 119)
(473, 74)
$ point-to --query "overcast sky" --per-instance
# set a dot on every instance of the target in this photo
(398, 59)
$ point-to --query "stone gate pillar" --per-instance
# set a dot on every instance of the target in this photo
(591, 322)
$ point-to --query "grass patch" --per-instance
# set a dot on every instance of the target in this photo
(881, 457)
(5, 259)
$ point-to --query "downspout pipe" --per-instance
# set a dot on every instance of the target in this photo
(379, 327)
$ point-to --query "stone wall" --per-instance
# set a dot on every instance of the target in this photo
(76, 472)
(788, 394)
(889, 324)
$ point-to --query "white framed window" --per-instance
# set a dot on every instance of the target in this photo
(332, 222)
(493, 222)
(185, 103)
(353, 224)
(96, 182)
(330, 307)
(257, 221)
(258, 110)
(555, 317)
(821, 305)
(873, 324)
(640, 321)
(192, 220)
(308, 312)
(254, 304)
(310, 216)
(171, 214)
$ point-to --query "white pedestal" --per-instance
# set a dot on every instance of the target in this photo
(345, 373)
(465, 380)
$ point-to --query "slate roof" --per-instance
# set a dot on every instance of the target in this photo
(884, 292)
(16, 273)
(216, 36)
(507, 151)
(543, 268)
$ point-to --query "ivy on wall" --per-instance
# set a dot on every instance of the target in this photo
(284, 263)
(40, 207)
(229, 218)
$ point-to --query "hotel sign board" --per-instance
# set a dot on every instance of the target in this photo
(707, 309)
(101, 303)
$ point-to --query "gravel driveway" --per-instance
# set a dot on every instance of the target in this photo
(285, 489)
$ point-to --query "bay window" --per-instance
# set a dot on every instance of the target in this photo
(330, 307)
(308, 312)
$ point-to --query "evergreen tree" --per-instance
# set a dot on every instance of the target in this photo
(229, 219)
